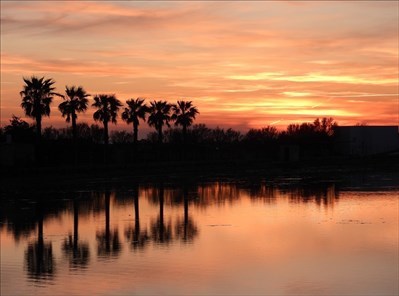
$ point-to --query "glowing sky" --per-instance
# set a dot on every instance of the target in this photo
(244, 64)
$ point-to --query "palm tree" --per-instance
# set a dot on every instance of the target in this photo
(184, 114)
(137, 109)
(159, 116)
(75, 102)
(37, 95)
(108, 107)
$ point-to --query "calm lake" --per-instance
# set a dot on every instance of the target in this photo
(280, 237)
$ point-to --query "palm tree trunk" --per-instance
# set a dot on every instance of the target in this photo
(106, 139)
(160, 136)
(74, 132)
(184, 133)
(74, 139)
(184, 141)
(38, 148)
(135, 133)
(38, 128)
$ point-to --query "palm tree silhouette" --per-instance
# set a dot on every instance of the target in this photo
(108, 107)
(159, 116)
(75, 102)
(137, 110)
(37, 95)
(184, 114)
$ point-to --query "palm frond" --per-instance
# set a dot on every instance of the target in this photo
(184, 113)
(108, 107)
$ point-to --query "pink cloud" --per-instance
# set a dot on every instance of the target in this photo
(242, 63)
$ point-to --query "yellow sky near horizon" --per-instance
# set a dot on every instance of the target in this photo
(243, 64)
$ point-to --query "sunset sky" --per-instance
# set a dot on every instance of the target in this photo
(243, 64)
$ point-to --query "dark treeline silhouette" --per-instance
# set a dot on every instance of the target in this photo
(19, 130)
(198, 143)
(88, 144)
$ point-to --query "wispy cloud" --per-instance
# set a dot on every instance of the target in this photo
(246, 63)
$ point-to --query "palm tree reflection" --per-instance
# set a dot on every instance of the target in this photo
(139, 238)
(39, 259)
(78, 252)
(186, 230)
(161, 233)
(108, 241)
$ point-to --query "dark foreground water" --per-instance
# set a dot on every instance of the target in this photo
(268, 238)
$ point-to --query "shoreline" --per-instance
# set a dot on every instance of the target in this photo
(83, 176)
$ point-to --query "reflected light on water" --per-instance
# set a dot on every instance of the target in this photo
(203, 238)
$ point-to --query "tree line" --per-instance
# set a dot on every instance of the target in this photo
(38, 93)
(183, 139)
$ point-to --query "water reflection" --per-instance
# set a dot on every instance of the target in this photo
(137, 237)
(108, 243)
(321, 195)
(18, 216)
(161, 233)
(39, 258)
(78, 252)
(186, 230)
(99, 226)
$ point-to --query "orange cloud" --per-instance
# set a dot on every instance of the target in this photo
(244, 65)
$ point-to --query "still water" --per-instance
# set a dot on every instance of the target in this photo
(236, 237)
